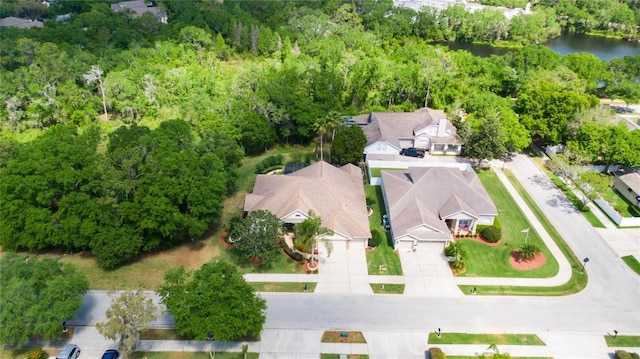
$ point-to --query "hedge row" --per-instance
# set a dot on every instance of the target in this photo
(268, 163)
(437, 353)
(621, 354)
(296, 256)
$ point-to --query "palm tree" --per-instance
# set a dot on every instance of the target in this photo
(333, 120)
(308, 232)
(321, 126)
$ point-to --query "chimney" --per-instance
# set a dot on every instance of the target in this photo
(442, 127)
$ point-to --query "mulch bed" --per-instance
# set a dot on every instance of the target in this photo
(538, 261)
(223, 242)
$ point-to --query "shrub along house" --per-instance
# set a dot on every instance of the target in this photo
(431, 204)
(336, 195)
(425, 129)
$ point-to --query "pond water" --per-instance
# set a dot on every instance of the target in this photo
(602, 47)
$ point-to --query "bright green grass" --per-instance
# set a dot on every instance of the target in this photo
(489, 261)
(502, 339)
(578, 279)
(387, 288)
(383, 256)
(633, 263)
(623, 340)
(377, 172)
(191, 355)
(289, 287)
(618, 201)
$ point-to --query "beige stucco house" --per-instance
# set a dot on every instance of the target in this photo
(628, 184)
(431, 204)
(426, 129)
(336, 195)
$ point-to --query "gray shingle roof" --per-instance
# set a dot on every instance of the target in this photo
(425, 196)
(335, 194)
(392, 126)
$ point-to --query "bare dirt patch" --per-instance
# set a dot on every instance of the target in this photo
(538, 261)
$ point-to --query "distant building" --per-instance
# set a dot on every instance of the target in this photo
(20, 23)
(139, 7)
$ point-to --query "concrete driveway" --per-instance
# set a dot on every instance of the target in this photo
(426, 270)
(345, 270)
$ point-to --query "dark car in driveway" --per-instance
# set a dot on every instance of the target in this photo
(412, 152)
(111, 354)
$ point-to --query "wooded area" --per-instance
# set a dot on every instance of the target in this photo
(121, 134)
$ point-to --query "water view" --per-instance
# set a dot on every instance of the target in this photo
(602, 47)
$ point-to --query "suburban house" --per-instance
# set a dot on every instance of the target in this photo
(139, 7)
(336, 195)
(628, 184)
(20, 23)
(426, 129)
(431, 204)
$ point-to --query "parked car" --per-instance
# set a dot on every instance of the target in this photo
(69, 351)
(111, 354)
(412, 152)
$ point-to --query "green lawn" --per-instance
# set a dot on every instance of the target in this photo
(387, 288)
(494, 261)
(191, 355)
(622, 340)
(290, 287)
(382, 260)
(501, 339)
(335, 336)
(633, 263)
(578, 279)
(620, 203)
(376, 172)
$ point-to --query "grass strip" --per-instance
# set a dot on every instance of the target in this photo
(495, 261)
(622, 340)
(335, 336)
(161, 334)
(382, 260)
(576, 283)
(191, 355)
(285, 287)
(387, 288)
(501, 339)
(632, 262)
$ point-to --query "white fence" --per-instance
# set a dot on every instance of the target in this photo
(615, 216)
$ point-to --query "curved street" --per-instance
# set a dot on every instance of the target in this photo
(572, 326)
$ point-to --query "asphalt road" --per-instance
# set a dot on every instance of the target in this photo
(611, 299)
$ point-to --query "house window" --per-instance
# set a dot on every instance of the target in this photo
(464, 224)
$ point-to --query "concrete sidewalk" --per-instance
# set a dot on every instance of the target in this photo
(564, 271)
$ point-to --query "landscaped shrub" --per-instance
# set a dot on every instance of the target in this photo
(621, 354)
(492, 234)
(269, 164)
(437, 353)
(291, 253)
(482, 227)
(620, 207)
(376, 238)
(528, 251)
(457, 254)
(585, 208)
(496, 223)
(37, 353)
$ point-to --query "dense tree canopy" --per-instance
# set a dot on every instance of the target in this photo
(150, 189)
(215, 300)
(37, 296)
(348, 145)
(184, 101)
(257, 236)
